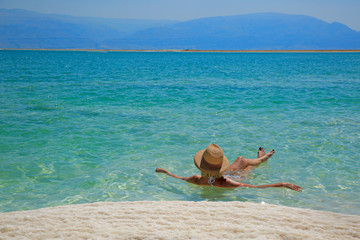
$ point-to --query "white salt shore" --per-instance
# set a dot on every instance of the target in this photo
(177, 220)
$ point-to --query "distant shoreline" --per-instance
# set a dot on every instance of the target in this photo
(186, 50)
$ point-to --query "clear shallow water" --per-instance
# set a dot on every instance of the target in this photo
(79, 127)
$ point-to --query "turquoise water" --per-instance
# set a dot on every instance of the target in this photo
(79, 127)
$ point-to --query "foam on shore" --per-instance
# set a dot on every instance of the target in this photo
(177, 220)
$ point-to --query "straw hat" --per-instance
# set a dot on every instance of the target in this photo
(211, 160)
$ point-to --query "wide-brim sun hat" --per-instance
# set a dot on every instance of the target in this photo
(211, 160)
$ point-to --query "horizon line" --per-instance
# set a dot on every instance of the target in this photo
(177, 50)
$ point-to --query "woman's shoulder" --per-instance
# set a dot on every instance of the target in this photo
(226, 182)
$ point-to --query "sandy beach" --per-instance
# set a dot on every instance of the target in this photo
(177, 220)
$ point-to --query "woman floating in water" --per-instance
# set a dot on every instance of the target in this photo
(212, 163)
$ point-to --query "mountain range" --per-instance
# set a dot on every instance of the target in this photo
(262, 31)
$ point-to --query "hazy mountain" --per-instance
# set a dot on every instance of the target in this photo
(25, 29)
(253, 31)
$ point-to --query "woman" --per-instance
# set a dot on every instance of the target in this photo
(212, 164)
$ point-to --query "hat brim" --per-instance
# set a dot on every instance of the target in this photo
(202, 166)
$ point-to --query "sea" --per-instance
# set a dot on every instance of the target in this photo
(85, 126)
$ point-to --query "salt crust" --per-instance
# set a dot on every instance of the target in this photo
(177, 220)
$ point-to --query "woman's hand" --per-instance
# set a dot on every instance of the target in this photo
(292, 187)
(161, 170)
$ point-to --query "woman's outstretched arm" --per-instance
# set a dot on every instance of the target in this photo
(161, 170)
(282, 184)
(193, 179)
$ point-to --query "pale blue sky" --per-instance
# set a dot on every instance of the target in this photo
(344, 11)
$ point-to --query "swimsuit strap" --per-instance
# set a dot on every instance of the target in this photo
(211, 181)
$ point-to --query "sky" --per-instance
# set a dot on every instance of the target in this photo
(343, 11)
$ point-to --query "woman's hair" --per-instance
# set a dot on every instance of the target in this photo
(207, 175)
